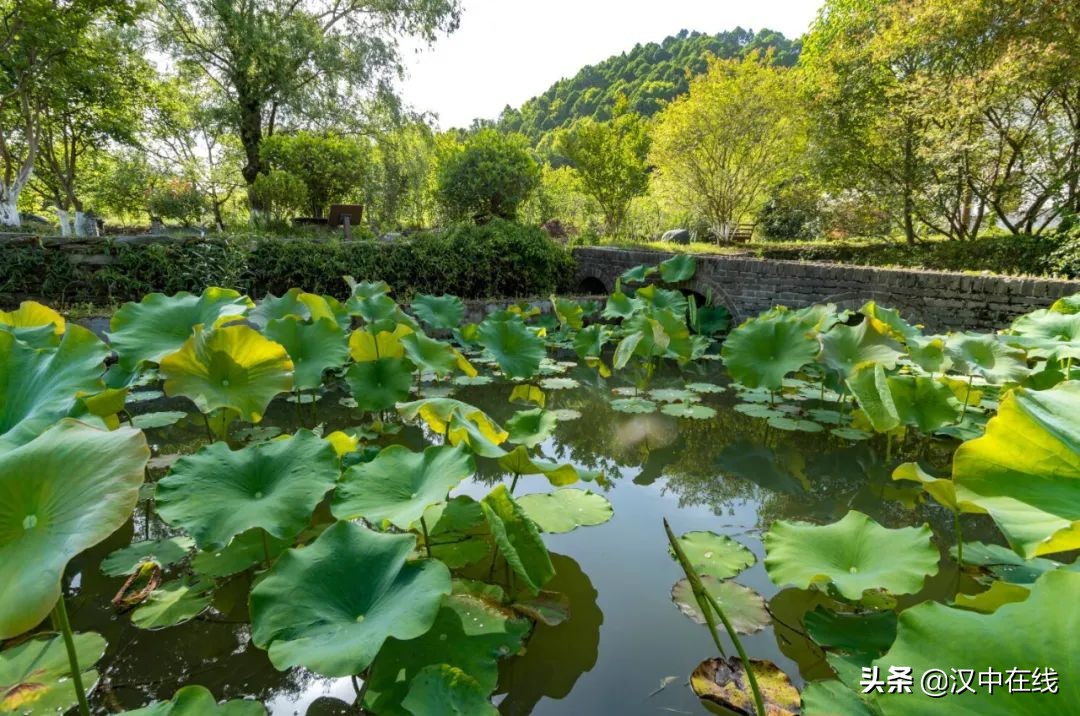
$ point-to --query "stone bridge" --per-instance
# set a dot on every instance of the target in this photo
(746, 286)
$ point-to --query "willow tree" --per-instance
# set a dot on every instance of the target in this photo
(738, 131)
(294, 61)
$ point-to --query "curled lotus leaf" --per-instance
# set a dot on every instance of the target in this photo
(1025, 470)
(379, 384)
(517, 539)
(218, 493)
(714, 554)
(198, 701)
(231, 367)
(61, 493)
(853, 555)
(723, 684)
(35, 676)
(516, 349)
(435, 356)
(762, 350)
(519, 462)
(531, 427)
(847, 348)
(439, 312)
(438, 413)
(158, 325)
(313, 347)
(566, 509)
(569, 312)
(743, 607)
(621, 306)
(399, 484)
(986, 355)
(246, 550)
(40, 386)
(331, 605)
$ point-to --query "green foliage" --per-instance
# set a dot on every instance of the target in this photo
(487, 177)
(177, 200)
(280, 193)
(330, 167)
(792, 211)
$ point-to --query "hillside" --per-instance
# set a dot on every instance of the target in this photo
(647, 75)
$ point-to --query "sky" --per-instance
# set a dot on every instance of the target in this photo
(506, 51)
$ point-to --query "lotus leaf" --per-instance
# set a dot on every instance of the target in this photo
(870, 634)
(559, 383)
(398, 485)
(331, 605)
(432, 355)
(198, 701)
(566, 509)
(1025, 471)
(723, 683)
(517, 538)
(986, 355)
(367, 346)
(471, 633)
(761, 351)
(172, 603)
(232, 367)
(35, 676)
(928, 352)
(633, 405)
(743, 607)
(637, 274)
(313, 347)
(870, 386)
(1037, 633)
(162, 552)
(590, 340)
(989, 601)
(217, 493)
(715, 555)
(159, 325)
(61, 493)
(438, 413)
(273, 307)
(254, 547)
(853, 555)
(888, 321)
(626, 349)
(381, 383)
(531, 427)
(923, 402)
(40, 386)
(619, 305)
(688, 410)
(439, 312)
(163, 419)
(680, 267)
(445, 689)
(847, 348)
(517, 350)
(833, 697)
(569, 312)
(519, 462)
(1007, 565)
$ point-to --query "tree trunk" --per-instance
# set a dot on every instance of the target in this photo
(65, 222)
(909, 182)
(85, 224)
(9, 210)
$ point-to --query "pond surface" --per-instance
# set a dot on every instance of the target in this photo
(626, 649)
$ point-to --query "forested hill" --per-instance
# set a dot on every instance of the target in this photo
(647, 75)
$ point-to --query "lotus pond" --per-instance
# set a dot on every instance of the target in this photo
(311, 506)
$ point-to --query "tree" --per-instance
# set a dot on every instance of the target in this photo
(487, 177)
(36, 38)
(330, 166)
(737, 132)
(612, 160)
(288, 60)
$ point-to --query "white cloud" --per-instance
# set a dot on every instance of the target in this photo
(509, 50)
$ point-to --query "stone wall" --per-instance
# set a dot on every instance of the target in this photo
(747, 286)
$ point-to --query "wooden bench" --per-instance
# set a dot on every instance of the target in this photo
(743, 233)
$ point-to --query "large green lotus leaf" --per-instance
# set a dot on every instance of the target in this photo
(567, 509)
(1050, 325)
(40, 386)
(444, 689)
(1037, 633)
(870, 386)
(159, 325)
(246, 550)
(660, 299)
(35, 676)
(399, 484)
(61, 493)
(233, 367)
(531, 427)
(198, 701)
(439, 312)
(569, 312)
(926, 403)
(439, 413)
(590, 340)
(619, 305)
(331, 605)
(519, 462)
(517, 538)
(761, 351)
(472, 435)
(743, 607)
(714, 554)
(987, 355)
(516, 349)
(379, 307)
(272, 308)
(472, 632)
(847, 348)
(1025, 470)
(162, 552)
(888, 321)
(853, 555)
(928, 352)
(680, 344)
(173, 603)
(831, 697)
(381, 383)
(871, 633)
(678, 268)
(371, 345)
(637, 274)
(313, 347)
(217, 493)
(429, 354)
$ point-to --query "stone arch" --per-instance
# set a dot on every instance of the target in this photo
(703, 287)
(591, 286)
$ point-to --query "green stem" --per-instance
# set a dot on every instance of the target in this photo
(299, 414)
(209, 432)
(513, 483)
(427, 540)
(759, 701)
(967, 397)
(959, 538)
(266, 548)
(60, 621)
(696, 588)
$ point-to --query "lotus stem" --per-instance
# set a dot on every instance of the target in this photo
(266, 548)
(959, 538)
(427, 540)
(299, 413)
(513, 483)
(209, 432)
(61, 623)
(709, 607)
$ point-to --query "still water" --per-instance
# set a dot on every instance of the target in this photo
(626, 649)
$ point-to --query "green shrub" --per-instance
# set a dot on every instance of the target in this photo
(1064, 257)
(488, 177)
(792, 211)
(178, 200)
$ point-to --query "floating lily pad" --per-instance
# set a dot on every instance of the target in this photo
(566, 414)
(173, 603)
(35, 676)
(217, 493)
(330, 606)
(757, 410)
(688, 410)
(633, 405)
(851, 434)
(251, 548)
(791, 424)
(149, 421)
(705, 387)
(531, 427)
(198, 701)
(162, 552)
(743, 607)
(566, 509)
(558, 383)
(714, 554)
(445, 689)
(853, 555)
(673, 395)
(723, 684)
(473, 380)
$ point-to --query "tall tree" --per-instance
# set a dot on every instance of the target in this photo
(737, 132)
(611, 158)
(275, 60)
